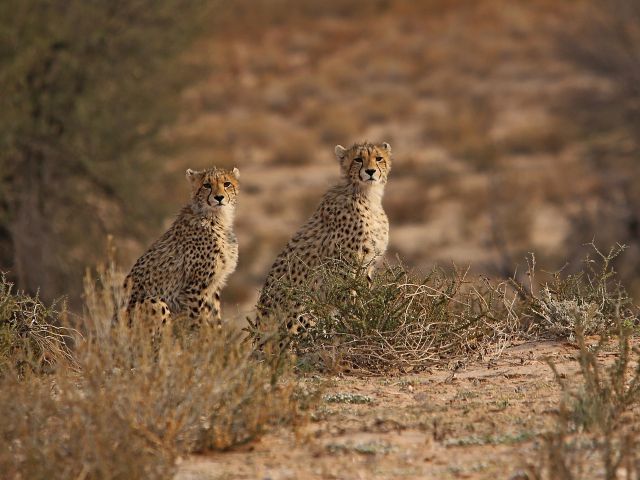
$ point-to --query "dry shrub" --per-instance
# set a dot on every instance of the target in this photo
(596, 433)
(549, 137)
(63, 428)
(386, 104)
(401, 322)
(604, 40)
(603, 43)
(30, 334)
(132, 406)
(412, 209)
(592, 300)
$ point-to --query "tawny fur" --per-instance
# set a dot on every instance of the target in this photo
(349, 222)
(184, 271)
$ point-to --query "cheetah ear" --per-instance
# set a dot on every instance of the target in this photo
(386, 146)
(236, 173)
(192, 175)
(340, 151)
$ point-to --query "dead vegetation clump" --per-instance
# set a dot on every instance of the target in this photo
(131, 407)
(30, 333)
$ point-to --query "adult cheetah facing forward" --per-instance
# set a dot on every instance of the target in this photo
(349, 222)
(185, 269)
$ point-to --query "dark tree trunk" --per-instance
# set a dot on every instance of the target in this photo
(29, 230)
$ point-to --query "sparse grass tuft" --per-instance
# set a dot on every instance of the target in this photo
(364, 448)
(352, 398)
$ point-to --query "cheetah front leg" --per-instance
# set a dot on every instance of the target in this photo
(155, 315)
(370, 270)
(215, 313)
(210, 310)
(201, 306)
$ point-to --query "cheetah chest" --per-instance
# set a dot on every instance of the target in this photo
(361, 230)
(214, 256)
(228, 259)
(375, 237)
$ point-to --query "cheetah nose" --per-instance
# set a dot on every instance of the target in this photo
(219, 198)
(370, 171)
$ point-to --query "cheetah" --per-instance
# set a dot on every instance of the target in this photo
(184, 271)
(349, 222)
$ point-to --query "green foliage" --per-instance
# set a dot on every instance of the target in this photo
(86, 87)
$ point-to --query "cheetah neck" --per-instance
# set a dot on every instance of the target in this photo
(220, 219)
(371, 194)
(223, 217)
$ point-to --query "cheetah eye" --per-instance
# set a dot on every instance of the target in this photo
(207, 185)
(358, 159)
(227, 184)
(379, 159)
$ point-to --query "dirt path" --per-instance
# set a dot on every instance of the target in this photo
(481, 422)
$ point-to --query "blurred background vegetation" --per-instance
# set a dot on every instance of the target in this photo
(515, 126)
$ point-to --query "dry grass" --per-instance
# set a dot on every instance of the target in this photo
(132, 407)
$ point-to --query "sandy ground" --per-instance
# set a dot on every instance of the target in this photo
(481, 421)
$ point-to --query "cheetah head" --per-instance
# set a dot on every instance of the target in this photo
(365, 164)
(214, 189)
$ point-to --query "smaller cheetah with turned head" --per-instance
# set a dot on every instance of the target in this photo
(349, 223)
(185, 269)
